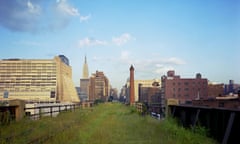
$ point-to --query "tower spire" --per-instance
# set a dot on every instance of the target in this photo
(85, 68)
(85, 59)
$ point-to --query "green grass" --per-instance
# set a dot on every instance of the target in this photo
(109, 123)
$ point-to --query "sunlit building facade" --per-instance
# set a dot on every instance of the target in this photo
(99, 87)
(37, 80)
(215, 90)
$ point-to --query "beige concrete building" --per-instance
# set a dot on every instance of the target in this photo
(37, 80)
(144, 83)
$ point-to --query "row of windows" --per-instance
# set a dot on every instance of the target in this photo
(26, 82)
(186, 95)
(19, 80)
(27, 72)
(27, 90)
(28, 64)
(187, 89)
(27, 77)
(179, 95)
(187, 83)
(46, 86)
(27, 68)
(12, 73)
(32, 95)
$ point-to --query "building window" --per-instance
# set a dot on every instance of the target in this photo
(221, 104)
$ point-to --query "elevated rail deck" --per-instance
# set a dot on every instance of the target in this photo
(223, 124)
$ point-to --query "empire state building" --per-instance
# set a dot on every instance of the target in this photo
(84, 82)
(85, 69)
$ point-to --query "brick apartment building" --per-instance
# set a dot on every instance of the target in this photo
(184, 89)
(151, 95)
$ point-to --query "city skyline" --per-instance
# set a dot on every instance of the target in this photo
(156, 36)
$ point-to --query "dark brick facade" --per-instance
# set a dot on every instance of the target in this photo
(184, 89)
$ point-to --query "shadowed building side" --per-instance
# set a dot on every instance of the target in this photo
(65, 85)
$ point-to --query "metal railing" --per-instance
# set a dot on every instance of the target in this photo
(52, 110)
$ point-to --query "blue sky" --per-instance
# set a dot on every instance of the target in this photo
(188, 36)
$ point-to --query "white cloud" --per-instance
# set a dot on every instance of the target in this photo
(33, 8)
(174, 60)
(151, 66)
(66, 8)
(123, 39)
(95, 58)
(37, 15)
(125, 55)
(86, 42)
(163, 70)
(153, 62)
(85, 18)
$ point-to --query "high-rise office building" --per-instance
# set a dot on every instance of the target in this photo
(37, 80)
(84, 82)
(99, 87)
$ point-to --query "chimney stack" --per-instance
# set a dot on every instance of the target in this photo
(132, 95)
